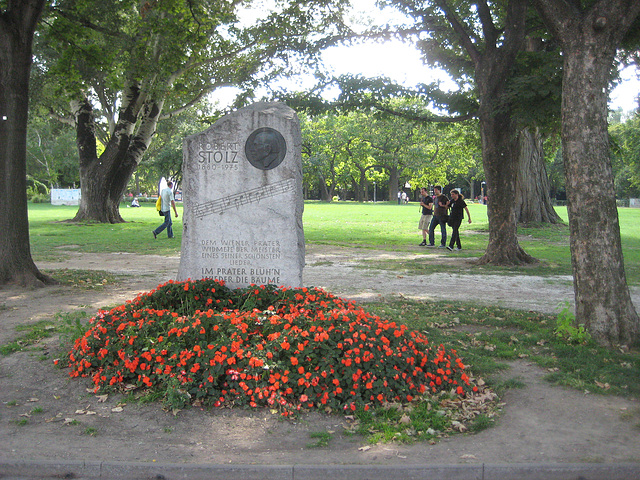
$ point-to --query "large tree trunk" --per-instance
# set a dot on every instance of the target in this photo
(324, 192)
(95, 185)
(393, 182)
(499, 138)
(602, 297)
(499, 151)
(103, 180)
(17, 27)
(533, 203)
(589, 40)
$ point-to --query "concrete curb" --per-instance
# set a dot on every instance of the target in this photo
(78, 470)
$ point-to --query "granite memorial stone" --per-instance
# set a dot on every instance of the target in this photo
(242, 188)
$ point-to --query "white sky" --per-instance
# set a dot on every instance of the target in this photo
(625, 95)
(402, 64)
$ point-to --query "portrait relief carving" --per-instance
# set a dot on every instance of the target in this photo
(265, 148)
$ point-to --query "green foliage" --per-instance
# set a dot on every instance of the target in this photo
(52, 155)
(130, 65)
(86, 279)
(626, 156)
(491, 336)
(348, 152)
(566, 329)
(34, 333)
(66, 324)
(322, 439)
(481, 422)
(425, 420)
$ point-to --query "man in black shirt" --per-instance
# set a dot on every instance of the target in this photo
(427, 211)
(439, 217)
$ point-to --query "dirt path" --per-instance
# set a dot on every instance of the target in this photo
(45, 416)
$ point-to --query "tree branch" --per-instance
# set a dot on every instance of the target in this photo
(461, 31)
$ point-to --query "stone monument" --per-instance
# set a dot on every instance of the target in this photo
(242, 190)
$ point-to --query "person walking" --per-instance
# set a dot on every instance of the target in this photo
(441, 203)
(456, 215)
(168, 202)
(426, 203)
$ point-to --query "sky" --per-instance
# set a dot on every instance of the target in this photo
(402, 63)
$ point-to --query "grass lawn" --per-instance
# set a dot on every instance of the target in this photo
(384, 226)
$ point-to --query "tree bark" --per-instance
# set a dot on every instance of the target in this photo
(499, 136)
(499, 151)
(589, 41)
(533, 203)
(324, 192)
(393, 182)
(17, 26)
(104, 179)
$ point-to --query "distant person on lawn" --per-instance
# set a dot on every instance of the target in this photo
(441, 204)
(458, 207)
(426, 204)
(168, 202)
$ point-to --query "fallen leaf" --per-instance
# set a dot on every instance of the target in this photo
(365, 448)
(458, 426)
(102, 398)
(117, 409)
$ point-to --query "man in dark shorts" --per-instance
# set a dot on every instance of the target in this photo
(426, 203)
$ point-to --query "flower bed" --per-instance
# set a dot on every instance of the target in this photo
(199, 341)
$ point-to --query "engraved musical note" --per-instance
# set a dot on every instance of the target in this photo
(237, 200)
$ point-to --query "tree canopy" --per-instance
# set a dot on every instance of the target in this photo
(117, 69)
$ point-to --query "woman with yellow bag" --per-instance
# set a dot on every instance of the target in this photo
(165, 203)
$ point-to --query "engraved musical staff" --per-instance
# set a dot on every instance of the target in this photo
(237, 200)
